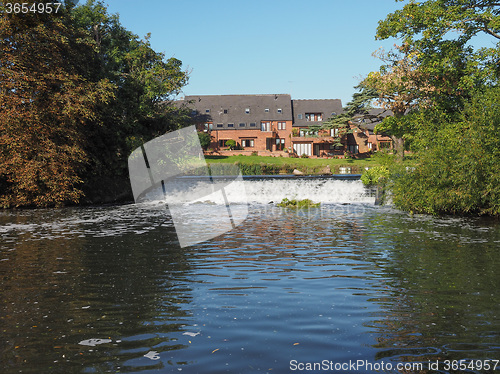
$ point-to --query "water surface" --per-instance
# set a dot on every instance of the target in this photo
(339, 283)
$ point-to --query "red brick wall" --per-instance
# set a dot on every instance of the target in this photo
(256, 134)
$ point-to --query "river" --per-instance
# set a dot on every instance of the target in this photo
(109, 289)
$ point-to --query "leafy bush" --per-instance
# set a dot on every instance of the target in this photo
(375, 176)
(231, 144)
(205, 140)
(298, 204)
(458, 170)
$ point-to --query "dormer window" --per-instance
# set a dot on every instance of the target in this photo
(247, 110)
(314, 117)
(280, 110)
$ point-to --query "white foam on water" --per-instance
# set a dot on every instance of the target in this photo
(263, 191)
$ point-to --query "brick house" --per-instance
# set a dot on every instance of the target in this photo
(312, 113)
(261, 123)
(363, 138)
(275, 125)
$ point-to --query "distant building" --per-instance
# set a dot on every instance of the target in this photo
(271, 125)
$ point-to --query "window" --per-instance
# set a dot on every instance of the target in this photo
(353, 149)
(253, 124)
(242, 124)
(219, 125)
(210, 126)
(222, 142)
(266, 110)
(247, 110)
(247, 143)
(280, 144)
(226, 111)
(230, 125)
(313, 117)
(334, 114)
(280, 111)
(334, 132)
(207, 126)
(265, 126)
(281, 125)
(369, 145)
(193, 112)
(207, 110)
(299, 116)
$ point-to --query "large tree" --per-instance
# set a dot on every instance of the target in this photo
(435, 65)
(47, 102)
(78, 92)
(441, 34)
(145, 83)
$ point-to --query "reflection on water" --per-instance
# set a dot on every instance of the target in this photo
(109, 290)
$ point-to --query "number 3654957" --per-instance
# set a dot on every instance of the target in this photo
(23, 8)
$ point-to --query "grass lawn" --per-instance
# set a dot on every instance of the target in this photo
(311, 162)
(306, 165)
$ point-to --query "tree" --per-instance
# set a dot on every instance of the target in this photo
(435, 65)
(458, 171)
(145, 85)
(358, 107)
(47, 104)
(231, 144)
(205, 140)
(78, 92)
(440, 31)
(401, 86)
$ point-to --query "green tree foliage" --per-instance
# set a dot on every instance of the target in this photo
(78, 92)
(358, 107)
(205, 140)
(439, 32)
(444, 94)
(435, 65)
(231, 144)
(144, 85)
(457, 172)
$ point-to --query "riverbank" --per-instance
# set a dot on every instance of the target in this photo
(266, 165)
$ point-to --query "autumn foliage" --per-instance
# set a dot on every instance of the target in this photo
(62, 105)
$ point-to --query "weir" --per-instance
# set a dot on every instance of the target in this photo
(327, 190)
(265, 189)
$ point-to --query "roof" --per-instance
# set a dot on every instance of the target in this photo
(240, 108)
(328, 108)
(372, 119)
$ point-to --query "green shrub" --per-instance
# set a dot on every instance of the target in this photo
(377, 175)
(231, 144)
(298, 204)
(457, 172)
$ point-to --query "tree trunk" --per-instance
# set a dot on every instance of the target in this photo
(399, 147)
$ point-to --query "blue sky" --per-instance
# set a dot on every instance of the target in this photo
(314, 49)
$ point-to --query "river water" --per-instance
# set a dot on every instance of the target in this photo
(108, 289)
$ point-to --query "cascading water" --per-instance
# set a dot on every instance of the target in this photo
(321, 190)
(264, 190)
